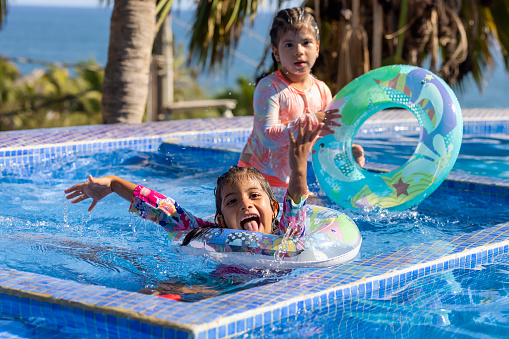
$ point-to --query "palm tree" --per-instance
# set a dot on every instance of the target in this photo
(3, 10)
(126, 75)
(456, 37)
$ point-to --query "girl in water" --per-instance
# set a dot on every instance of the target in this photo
(282, 98)
(244, 199)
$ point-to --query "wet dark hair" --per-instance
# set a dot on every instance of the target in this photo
(232, 176)
(290, 19)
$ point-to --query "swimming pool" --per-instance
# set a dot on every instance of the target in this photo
(112, 248)
(270, 306)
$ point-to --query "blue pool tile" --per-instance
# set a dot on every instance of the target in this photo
(284, 311)
(182, 335)
(276, 314)
(168, 333)
(221, 331)
(212, 333)
(231, 328)
(241, 325)
(267, 318)
(258, 320)
(292, 308)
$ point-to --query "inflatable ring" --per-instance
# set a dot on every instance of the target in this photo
(333, 238)
(438, 113)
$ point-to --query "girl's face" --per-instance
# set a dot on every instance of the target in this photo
(246, 206)
(297, 51)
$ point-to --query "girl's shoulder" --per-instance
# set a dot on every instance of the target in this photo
(272, 84)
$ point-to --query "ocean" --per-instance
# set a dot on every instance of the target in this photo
(67, 34)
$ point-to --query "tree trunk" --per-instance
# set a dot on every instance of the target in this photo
(126, 75)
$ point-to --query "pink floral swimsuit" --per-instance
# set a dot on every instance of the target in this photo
(277, 108)
(165, 211)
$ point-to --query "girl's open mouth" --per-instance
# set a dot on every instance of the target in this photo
(250, 223)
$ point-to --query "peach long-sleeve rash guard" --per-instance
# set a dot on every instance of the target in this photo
(277, 108)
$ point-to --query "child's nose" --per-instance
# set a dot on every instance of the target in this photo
(246, 203)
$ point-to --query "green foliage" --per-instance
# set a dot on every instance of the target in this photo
(243, 94)
(217, 28)
(51, 98)
(185, 79)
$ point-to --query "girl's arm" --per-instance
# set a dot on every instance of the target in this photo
(154, 206)
(98, 188)
(271, 131)
(145, 202)
(294, 213)
(269, 128)
(269, 124)
(300, 147)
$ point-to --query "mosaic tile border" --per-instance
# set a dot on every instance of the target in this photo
(480, 121)
(112, 312)
(102, 310)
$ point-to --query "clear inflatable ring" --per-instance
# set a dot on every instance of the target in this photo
(438, 113)
(333, 239)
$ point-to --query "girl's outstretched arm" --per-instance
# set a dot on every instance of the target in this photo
(98, 188)
(149, 204)
(300, 147)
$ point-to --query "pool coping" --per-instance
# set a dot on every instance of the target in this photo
(106, 310)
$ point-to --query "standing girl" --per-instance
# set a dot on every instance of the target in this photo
(286, 95)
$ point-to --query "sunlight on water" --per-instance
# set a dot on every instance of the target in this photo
(113, 248)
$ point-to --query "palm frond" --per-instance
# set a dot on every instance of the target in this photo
(217, 29)
(162, 9)
(500, 12)
(3, 11)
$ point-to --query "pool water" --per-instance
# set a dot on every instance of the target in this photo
(484, 156)
(41, 232)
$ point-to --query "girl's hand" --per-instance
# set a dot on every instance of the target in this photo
(300, 147)
(302, 144)
(358, 154)
(96, 188)
(328, 118)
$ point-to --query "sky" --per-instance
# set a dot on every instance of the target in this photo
(183, 4)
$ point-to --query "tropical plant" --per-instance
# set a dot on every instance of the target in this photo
(453, 38)
(3, 10)
(243, 94)
(51, 98)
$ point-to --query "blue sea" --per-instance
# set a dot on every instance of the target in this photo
(69, 34)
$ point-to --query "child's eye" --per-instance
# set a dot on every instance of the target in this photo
(255, 195)
(232, 201)
(288, 45)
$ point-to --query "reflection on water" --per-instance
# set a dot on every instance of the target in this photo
(484, 156)
(42, 232)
